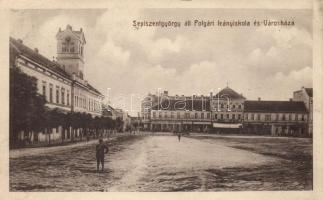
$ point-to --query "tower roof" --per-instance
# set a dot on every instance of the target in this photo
(78, 34)
(228, 92)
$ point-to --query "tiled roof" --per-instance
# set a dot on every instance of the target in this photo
(36, 57)
(274, 106)
(309, 91)
(228, 92)
(198, 105)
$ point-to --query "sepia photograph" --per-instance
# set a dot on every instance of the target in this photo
(161, 100)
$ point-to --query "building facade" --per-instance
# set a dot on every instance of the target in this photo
(225, 112)
(306, 95)
(176, 113)
(282, 118)
(61, 82)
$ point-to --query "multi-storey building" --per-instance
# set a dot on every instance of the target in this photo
(227, 111)
(306, 95)
(275, 117)
(61, 82)
(162, 112)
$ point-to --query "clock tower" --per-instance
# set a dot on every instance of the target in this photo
(70, 50)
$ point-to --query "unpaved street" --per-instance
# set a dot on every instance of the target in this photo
(153, 163)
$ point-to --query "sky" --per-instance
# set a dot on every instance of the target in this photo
(126, 63)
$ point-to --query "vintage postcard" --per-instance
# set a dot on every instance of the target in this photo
(181, 98)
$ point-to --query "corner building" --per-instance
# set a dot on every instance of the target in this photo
(61, 82)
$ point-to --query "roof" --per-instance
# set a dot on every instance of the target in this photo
(228, 92)
(78, 34)
(309, 91)
(92, 88)
(172, 104)
(20, 48)
(274, 106)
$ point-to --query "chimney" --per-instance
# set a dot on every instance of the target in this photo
(259, 99)
(20, 41)
(36, 50)
(69, 27)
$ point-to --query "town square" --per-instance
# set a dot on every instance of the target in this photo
(216, 109)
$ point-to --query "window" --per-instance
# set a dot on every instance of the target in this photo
(258, 117)
(172, 115)
(221, 116)
(303, 118)
(72, 47)
(246, 116)
(63, 47)
(283, 117)
(215, 116)
(44, 89)
(196, 116)
(57, 94)
(252, 116)
(159, 114)
(63, 95)
(296, 117)
(277, 117)
(233, 106)
(233, 116)
(178, 115)
(202, 115)
(68, 98)
(290, 117)
(165, 114)
(208, 115)
(154, 114)
(239, 116)
(239, 106)
(51, 93)
(228, 116)
(267, 117)
(187, 115)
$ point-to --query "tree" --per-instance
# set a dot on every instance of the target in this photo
(54, 119)
(27, 107)
(119, 124)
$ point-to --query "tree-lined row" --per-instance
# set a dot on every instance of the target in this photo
(30, 116)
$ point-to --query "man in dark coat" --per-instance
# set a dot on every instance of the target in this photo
(101, 149)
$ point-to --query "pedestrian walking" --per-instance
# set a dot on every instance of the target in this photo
(101, 149)
(179, 136)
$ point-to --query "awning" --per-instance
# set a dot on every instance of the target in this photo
(226, 125)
